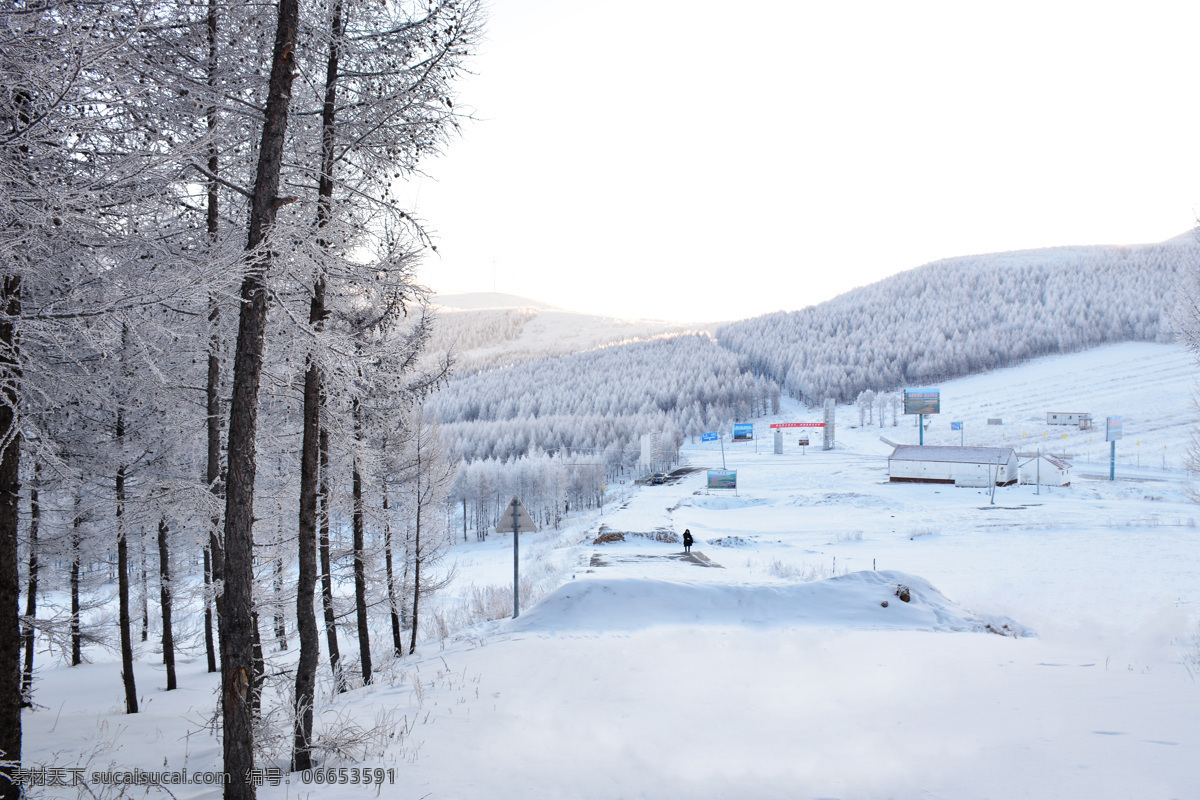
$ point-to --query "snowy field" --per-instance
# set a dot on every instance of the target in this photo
(1048, 647)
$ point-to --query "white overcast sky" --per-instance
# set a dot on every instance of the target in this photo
(699, 161)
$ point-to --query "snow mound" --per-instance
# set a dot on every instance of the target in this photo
(856, 600)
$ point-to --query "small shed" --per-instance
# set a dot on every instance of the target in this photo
(961, 466)
(1052, 471)
(1079, 419)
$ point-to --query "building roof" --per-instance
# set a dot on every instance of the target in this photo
(1053, 460)
(952, 455)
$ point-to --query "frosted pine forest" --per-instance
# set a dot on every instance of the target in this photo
(252, 473)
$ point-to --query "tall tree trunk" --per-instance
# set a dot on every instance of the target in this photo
(393, 601)
(76, 540)
(360, 575)
(260, 671)
(212, 474)
(213, 383)
(10, 580)
(145, 588)
(358, 523)
(405, 611)
(209, 650)
(310, 645)
(306, 618)
(35, 517)
(335, 658)
(415, 558)
(416, 548)
(131, 703)
(237, 605)
(280, 620)
(164, 594)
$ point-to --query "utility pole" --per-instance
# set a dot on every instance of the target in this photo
(516, 523)
(516, 520)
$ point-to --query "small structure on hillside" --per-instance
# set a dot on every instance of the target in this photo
(961, 466)
(1081, 419)
(1051, 471)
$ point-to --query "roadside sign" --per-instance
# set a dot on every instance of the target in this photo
(524, 523)
(516, 520)
(743, 431)
(956, 426)
(708, 437)
(722, 479)
(1115, 425)
(797, 424)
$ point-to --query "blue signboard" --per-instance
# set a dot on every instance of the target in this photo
(722, 479)
(708, 437)
(743, 431)
(956, 426)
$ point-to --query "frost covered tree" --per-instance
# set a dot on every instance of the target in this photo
(428, 475)
(387, 101)
(1187, 324)
(131, 138)
(85, 176)
(238, 622)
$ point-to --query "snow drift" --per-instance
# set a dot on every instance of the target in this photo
(867, 600)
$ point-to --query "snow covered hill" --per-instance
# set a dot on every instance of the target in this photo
(1048, 647)
(519, 362)
(962, 315)
(1149, 385)
(486, 330)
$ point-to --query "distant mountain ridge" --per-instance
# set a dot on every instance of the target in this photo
(963, 315)
(532, 380)
(470, 301)
(486, 330)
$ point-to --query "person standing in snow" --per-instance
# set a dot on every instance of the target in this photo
(687, 541)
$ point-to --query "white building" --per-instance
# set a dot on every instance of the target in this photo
(1051, 471)
(1080, 419)
(962, 466)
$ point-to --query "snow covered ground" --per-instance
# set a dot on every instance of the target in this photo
(1047, 649)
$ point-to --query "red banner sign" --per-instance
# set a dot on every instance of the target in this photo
(798, 425)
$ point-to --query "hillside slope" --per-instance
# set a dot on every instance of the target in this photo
(486, 330)
(772, 665)
(965, 315)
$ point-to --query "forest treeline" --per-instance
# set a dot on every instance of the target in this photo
(964, 315)
(212, 370)
(602, 400)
